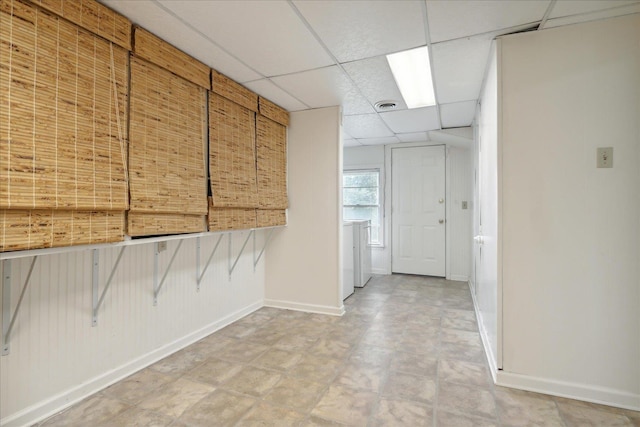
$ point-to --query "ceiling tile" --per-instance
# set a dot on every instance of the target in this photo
(325, 87)
(454, 19)
(416, 120)
(459, 67)
(375, 80)
(365, 126)
(350, 143)
(413, 137)
(379, 141)
(274, 94)
(266, 35)
(574, 7)
(458, 114)
(147, 14)
(593, 16)
(360, 29)
(450, 139)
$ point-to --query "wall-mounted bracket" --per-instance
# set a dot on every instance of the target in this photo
(97, 302)
(256, 260)
(200, 276)
(244, 245)
(8, 321)
(158, 286)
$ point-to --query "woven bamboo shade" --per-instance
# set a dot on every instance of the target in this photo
(63, 133)
(232, 156)
(271, 217)
(92, 16)
(34, 229)
(159, 52)
(224, 86)
(271, 147)
(273, 112)
(143, 224)
(231, 219)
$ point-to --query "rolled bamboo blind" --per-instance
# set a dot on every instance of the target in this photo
(221, 219)
(273, 112)
(224, 86)
(159, 52)
(144, 224)
(167, 150)
(92, 16)
(232, 155)
(271, 148)
(271, 217)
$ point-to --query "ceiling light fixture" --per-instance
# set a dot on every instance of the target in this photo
(386, 105)
(412, 72)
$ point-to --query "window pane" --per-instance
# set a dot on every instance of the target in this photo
(360, 196)
(360, 179)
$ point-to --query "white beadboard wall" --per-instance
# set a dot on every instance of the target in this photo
(57, 357)
(460, 182)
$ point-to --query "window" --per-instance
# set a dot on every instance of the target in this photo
(361, 199)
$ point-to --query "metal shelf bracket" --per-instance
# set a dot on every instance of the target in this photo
(244, 245)
(97, 302)
(200, 275)
(158, 286)
(9, 321)
(256, 260)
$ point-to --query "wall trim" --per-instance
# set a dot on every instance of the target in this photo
(491, 360)
(459, 278)
(380, 271)
(309, 308)
(571, 390)
(57, 403)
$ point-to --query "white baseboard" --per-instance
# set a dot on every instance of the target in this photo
(48, 407)
(459, 278)
(310, 308)
(380, 271)
(586, 392)
(488, 351)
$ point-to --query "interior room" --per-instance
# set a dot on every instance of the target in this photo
(320, 212)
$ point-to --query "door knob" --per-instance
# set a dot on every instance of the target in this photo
(441, 201)
(441, 221)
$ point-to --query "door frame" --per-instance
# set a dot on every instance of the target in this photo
(388, 199)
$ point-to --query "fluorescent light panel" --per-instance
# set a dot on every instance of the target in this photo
(412, 72)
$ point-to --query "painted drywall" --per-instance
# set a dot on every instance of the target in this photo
(372, 157)
(571, 245)
(56, 357)
(304, 261)
(486, 257)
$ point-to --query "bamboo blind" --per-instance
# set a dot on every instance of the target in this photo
(231, 219)
(144, 224)
(63, 129)
(32, 229)
(92, 16)
(271, 217)
(232, 156)
(271, 148)
(273, 112)
(159, 52)
(224, 86)
(167, 150)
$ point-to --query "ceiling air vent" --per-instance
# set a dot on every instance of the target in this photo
(386, 105)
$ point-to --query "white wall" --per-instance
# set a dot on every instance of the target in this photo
(367, 158)
(57, 357)
(304, 261)
(571, 232)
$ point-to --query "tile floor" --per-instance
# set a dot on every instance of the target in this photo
(406, 353)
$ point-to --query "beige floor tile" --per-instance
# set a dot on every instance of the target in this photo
(521, 408)
(242, 351)
(265, 415)
(394, 412)
(467, 373)
(174, 398)
(470, 400)
(137, 386)
(315, 368)
(213, 371)
(91, 411)
(136, 417)
(583, 416)
(295, 393)
(345, 405)
(266, 336)
(455, 336)
(319, 422)
(295, 343)
(331, 348)
(252, 381)
(449, 419)
(179, 363)
(371, 355)
(238, 330)
(215, 342)
(469, 353)
(220, 408)
(415, 364)
(409, 387)
(277, 359)
(362, 377)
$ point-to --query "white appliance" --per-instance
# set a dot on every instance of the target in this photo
(348, 273)
(361, 252)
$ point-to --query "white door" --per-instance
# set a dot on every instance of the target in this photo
(418, 210)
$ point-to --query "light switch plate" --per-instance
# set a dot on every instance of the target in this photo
(605, 157)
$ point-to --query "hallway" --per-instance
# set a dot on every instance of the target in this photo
(406, 353)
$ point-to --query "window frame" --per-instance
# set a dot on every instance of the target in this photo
(380, 205)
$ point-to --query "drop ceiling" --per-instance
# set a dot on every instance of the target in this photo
(305, 54)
